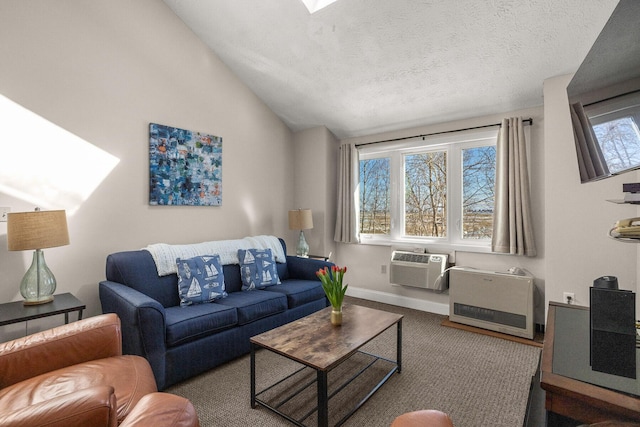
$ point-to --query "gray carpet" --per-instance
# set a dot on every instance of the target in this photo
(477, 379)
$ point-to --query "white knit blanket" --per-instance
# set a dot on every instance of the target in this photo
(165, 255)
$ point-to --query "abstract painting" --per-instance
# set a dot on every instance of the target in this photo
(185, 167)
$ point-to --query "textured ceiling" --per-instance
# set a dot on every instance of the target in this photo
(366, 66)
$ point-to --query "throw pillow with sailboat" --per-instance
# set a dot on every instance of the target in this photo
(200, 279)
(257, 269)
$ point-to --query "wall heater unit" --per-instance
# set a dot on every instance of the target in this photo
(418, 269)
(500, 302)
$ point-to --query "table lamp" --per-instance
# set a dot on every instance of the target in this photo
(35, 231)
(301, 219)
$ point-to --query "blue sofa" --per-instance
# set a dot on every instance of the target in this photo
(181, 342)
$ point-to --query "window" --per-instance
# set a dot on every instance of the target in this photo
(478, 185)
(425, 194)
(375, 209)
(434, 191)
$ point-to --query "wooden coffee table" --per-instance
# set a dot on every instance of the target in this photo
(315, 343)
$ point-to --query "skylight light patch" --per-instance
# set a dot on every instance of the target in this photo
(46, 165)
(316, 5)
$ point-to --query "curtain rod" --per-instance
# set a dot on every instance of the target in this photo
(529, 121)
(611, 97)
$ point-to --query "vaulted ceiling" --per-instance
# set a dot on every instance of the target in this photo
(366, 66)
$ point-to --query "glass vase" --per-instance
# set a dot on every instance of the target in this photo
(336, 316)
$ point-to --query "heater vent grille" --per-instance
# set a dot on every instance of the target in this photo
(496, 301)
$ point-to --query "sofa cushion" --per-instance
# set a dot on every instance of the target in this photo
(200, 279)
(298, 291)
(254, 305)
(257, 269)
(283, 271)
(232, 280)
(187, 324)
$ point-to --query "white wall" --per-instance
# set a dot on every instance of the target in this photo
(577, 216)
(365, 262)
(315, 154)
(105, 69)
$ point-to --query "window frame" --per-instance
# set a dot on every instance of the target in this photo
(453, 144)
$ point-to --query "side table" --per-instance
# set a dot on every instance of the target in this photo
(14, 312)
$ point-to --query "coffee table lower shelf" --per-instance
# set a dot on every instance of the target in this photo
(321, 380)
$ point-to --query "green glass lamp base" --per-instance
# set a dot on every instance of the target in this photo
(38, 283)
(302, 250)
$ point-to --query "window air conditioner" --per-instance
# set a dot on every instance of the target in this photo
(501, 302)
(418, 269)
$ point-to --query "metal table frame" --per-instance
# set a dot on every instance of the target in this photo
(14, 312)
(322, 385)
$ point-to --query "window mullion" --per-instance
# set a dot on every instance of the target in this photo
(454, 192)
(397, 195)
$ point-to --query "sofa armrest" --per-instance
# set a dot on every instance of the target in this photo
(82, 341)
(91, 407)
(305, 268)
(160, 410)
(143, 324)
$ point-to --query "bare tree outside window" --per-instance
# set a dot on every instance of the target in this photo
(375, 215)
(478, 191)
(426, 194)
(620, 143)
(436, 192)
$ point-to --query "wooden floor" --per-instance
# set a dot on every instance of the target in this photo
(537, 341)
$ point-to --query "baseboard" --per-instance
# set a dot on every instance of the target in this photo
(537, 340)
(399, 300)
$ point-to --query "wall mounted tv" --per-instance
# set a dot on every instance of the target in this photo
(604, 98)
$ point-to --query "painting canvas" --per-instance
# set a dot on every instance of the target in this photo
(185, 167)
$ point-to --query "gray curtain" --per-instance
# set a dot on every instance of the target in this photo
(512, 227)
(347, 212)
(591, 163)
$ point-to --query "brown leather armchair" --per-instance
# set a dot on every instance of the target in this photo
(423, 418)
(76, 375)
